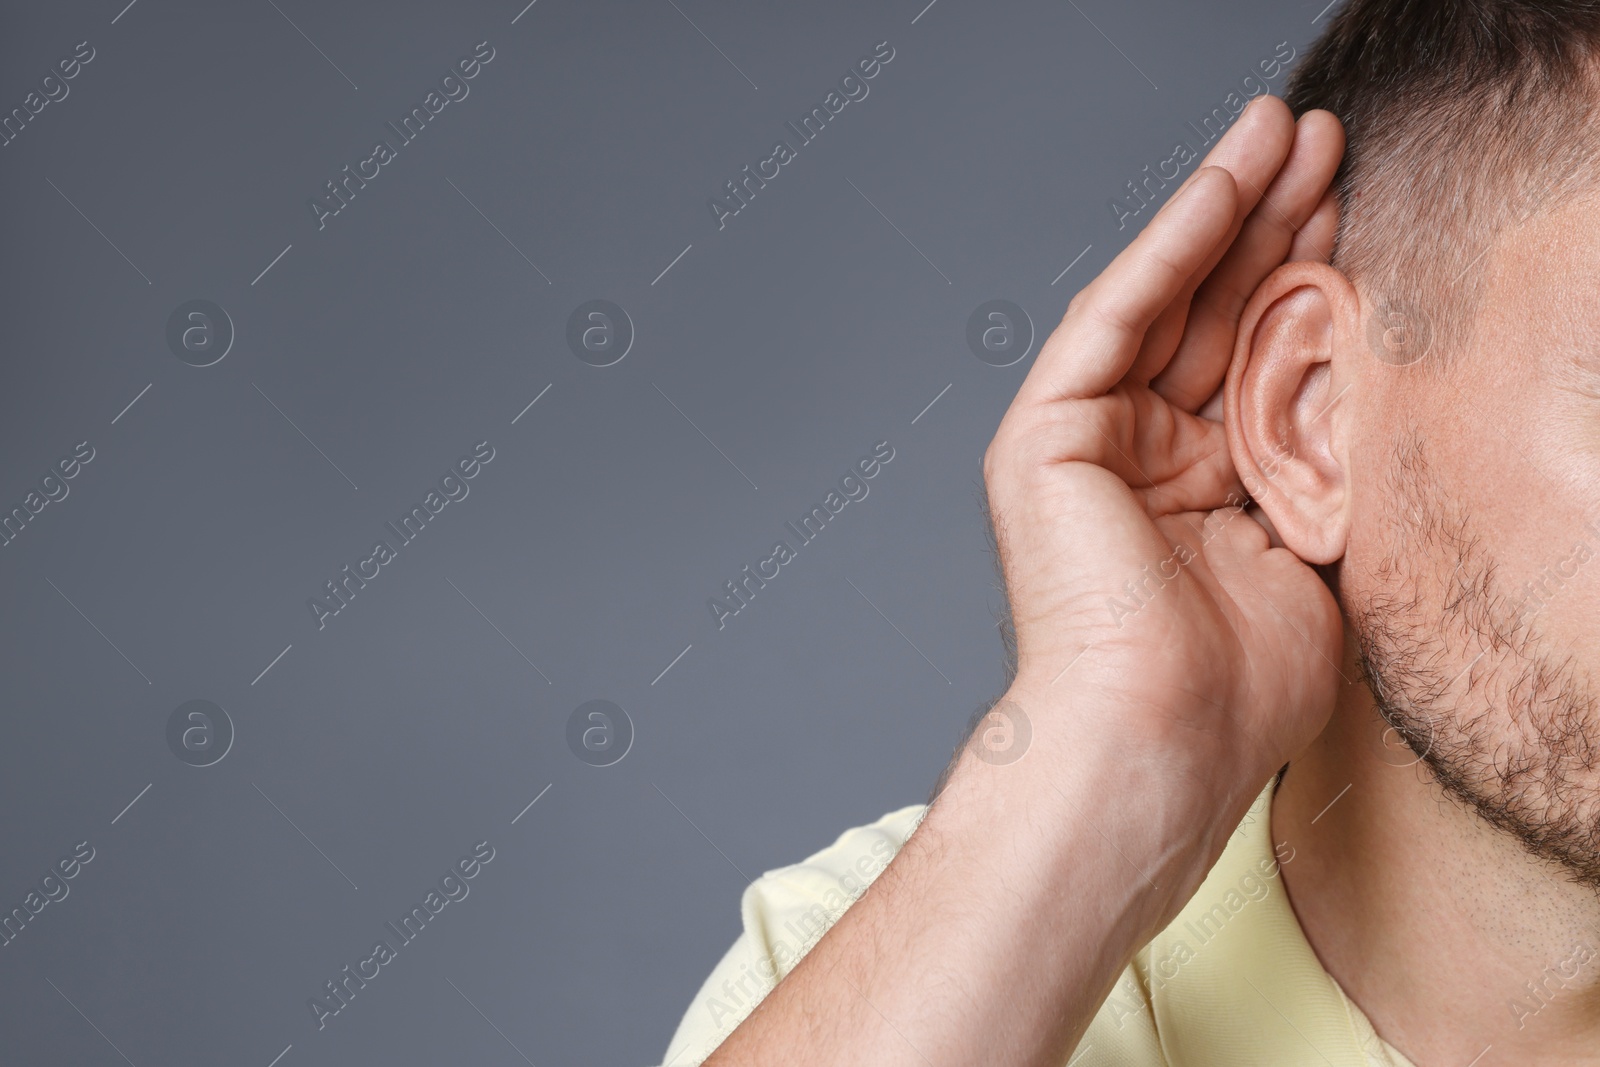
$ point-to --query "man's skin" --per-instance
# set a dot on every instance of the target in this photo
(1432, 921)
(998, 930)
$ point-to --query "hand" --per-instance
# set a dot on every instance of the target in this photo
(1132, 572)
(996, 932)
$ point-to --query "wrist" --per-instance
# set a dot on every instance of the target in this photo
(1055, 783)
(1182, 753)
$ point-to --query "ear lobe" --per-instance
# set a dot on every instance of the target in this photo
(1283, 400)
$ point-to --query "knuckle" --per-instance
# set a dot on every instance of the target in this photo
(1103, 318)
(999, 454)
(1012, 452)
(1038, 443)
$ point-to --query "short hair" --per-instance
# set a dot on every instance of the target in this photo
(1462, 117)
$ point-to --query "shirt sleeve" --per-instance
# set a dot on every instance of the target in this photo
(785, 912)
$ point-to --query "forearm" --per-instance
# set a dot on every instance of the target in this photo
(999, 928)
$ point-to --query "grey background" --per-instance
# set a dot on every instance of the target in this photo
(407, 330)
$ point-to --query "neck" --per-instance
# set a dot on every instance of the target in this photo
(1449, 936)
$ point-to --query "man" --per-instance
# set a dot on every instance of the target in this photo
(1397, 639)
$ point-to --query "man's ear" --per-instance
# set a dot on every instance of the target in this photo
(1283, 401)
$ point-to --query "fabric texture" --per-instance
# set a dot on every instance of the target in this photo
(1232, 980)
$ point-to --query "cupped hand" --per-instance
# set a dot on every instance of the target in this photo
(1142, 596)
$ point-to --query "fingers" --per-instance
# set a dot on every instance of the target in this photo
(1105, 324)
(1276, 229)
(1253, 151)
(1173, 462)
(1316, 238)
(1241, 151)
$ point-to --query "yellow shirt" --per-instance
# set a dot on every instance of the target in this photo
(1231, 981)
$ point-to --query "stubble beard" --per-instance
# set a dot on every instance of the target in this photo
(1458, 667)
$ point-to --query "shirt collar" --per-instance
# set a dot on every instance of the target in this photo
(1233, 978)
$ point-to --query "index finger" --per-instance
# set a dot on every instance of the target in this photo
(1101, 333)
